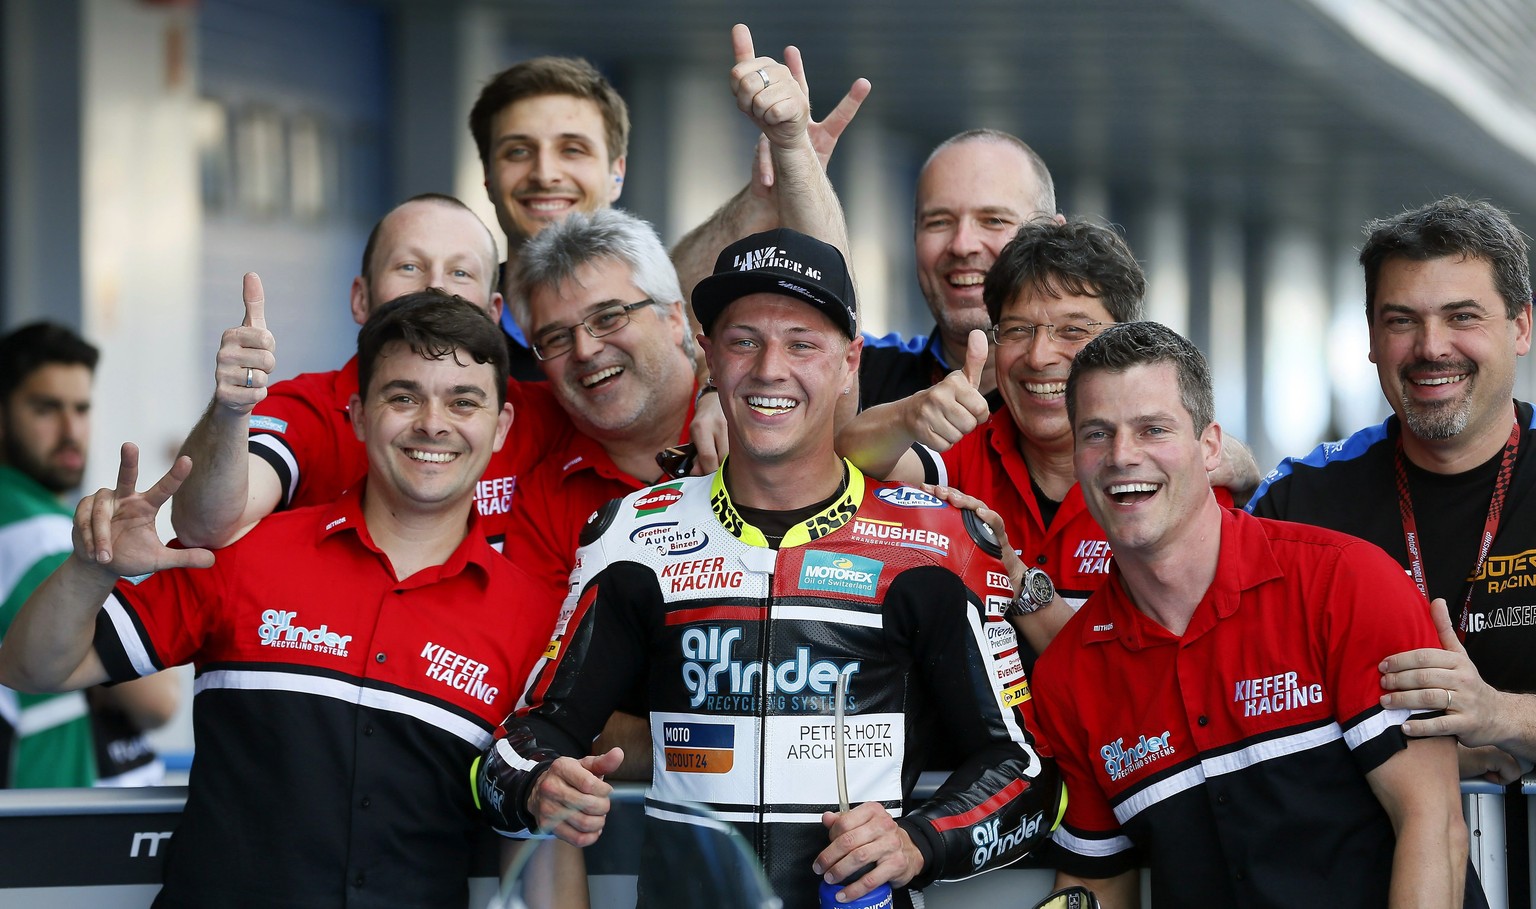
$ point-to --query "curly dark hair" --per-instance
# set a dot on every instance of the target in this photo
(1077, 258)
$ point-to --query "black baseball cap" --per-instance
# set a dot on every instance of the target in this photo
(780, 261)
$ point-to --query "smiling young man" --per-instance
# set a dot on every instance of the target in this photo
(1215, 706)
(552, 134)
(730, 603)
(352, 658)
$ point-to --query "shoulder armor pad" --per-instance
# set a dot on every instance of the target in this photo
(600, 521)
(981, 533)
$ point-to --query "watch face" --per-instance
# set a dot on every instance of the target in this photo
(1038, 587)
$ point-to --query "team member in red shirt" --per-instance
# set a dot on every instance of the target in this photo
(1216, 706)
(605, 316)
(298, 448)
(1052, 289)
(352, 658)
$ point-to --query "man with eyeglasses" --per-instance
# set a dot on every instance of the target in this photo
(730, 605)
(601, 305)
(1053, 288)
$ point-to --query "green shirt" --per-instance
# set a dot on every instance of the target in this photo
(53, 731)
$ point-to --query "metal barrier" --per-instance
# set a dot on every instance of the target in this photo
(104, 848)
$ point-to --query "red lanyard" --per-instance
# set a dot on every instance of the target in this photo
(1490, 524)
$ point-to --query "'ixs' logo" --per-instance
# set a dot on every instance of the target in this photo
(1119, 761)
(669, 539)
(710, 668)
(990, 842)
(658, 500)
(908, 497)
(839, 573)
(277, 630)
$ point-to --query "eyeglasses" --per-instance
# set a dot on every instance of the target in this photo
(1065, 333)
(557, 342)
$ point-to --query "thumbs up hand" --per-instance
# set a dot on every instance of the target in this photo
(941, 415)
(247, 355)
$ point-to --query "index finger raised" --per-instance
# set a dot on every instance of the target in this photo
(741, 43)
(255, 302)
(127, 470)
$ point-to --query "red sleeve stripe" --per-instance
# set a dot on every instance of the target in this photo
(717, 614)
(991, 806)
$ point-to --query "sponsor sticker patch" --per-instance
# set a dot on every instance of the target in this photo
(908, 497)
(836, 572)
(658, 500)
(268, 424)
(669, 539)
(699, 747)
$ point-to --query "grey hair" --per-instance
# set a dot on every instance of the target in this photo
(554, 255)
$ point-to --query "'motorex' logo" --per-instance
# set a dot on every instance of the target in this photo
(839, 573)
(277, 630)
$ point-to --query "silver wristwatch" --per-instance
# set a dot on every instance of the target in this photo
(1035, 593)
